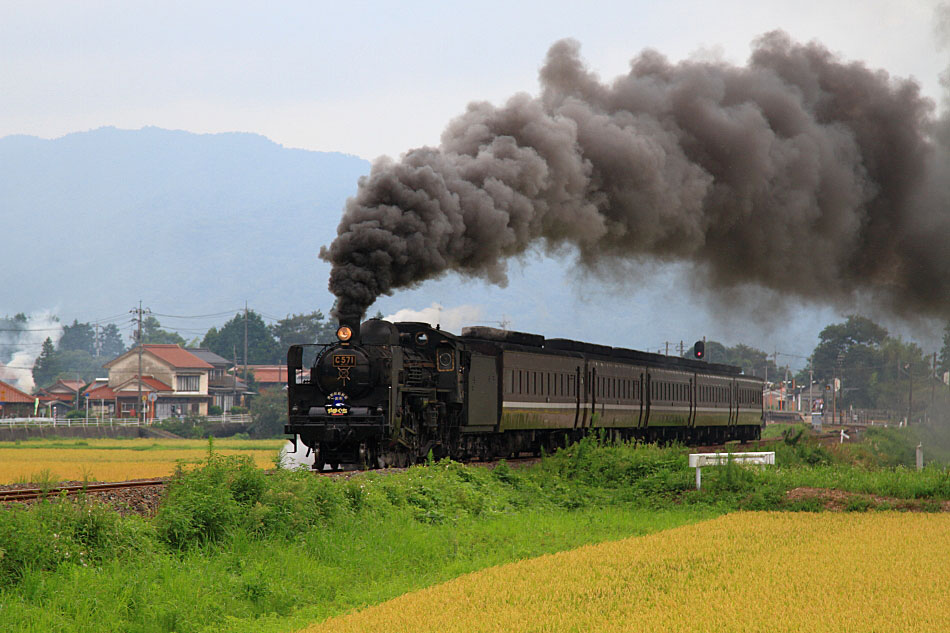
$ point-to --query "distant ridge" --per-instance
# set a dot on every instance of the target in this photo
(96, 220)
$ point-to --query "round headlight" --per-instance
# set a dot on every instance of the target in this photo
(344, 333)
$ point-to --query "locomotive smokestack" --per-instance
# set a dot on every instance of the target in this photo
(798, 172)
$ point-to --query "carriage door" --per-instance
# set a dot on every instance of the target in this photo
(735, 399)
(481, 398)
(579, 409)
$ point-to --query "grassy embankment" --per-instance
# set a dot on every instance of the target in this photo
(234, 550)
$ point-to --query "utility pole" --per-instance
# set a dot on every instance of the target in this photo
(682, 348)
(138, 312)
(834, 387)
(245, 341)
(811, 384)
(910, 395)
(98, 343)
(933, 385)
(667, 343)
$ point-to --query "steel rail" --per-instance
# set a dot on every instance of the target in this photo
(27, 494)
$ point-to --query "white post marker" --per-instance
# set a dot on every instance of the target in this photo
(844, 436)
(698, 460)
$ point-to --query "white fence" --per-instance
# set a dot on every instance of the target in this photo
(26, 423)
(698, 460)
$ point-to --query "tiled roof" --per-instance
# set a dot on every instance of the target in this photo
(172, 354)
(104, 392)
(227, 382)
(10, 394)
(149, 383)
(208, 356)
(267, 374)
(175, 356)
(56, 397)
(65, 386)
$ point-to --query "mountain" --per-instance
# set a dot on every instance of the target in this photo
(95, 221)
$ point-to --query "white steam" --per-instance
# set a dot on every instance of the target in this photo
(451, 319)
(21, 343)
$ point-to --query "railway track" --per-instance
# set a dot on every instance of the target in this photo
(29, 494)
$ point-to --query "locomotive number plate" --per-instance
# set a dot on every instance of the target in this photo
(342, 360)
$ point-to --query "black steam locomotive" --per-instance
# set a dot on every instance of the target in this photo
(388, 394)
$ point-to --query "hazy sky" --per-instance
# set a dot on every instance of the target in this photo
(372, 78)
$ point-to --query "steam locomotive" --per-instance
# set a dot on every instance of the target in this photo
(391, 394)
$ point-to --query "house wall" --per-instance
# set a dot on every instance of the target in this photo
(128, 368)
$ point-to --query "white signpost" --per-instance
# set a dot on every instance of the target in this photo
(698, 460)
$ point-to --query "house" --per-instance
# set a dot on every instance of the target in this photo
(60, 397)
(15, 403)
(173, 382)
(270, 376)
(226, 390)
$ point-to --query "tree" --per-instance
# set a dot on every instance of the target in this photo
(46, 366)
(111, 344)
(152, 333)
(943, 361)
(753, 362)
(851, 351)
(300, 329)
(78, 363)
(78, 337)
(899, 363)
(262, 347)
(269, 413)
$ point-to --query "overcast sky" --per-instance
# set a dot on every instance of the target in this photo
(372, 78)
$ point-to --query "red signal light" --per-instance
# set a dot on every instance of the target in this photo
(699, 350)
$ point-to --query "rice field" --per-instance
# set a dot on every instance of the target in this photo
(117, 459)
(770, 572)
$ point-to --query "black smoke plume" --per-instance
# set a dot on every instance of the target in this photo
(799, 172)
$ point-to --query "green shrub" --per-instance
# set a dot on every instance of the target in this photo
(205, 504)
(65, 531)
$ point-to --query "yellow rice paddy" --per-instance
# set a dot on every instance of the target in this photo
(117, 459)
(769, 572)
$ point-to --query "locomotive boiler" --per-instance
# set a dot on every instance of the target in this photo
(391, 394)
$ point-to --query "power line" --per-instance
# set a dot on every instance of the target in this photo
(199, 316)
(41, 329)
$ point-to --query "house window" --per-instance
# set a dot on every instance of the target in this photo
(188, 382)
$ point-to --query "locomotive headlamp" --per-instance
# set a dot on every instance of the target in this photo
(344, 333)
